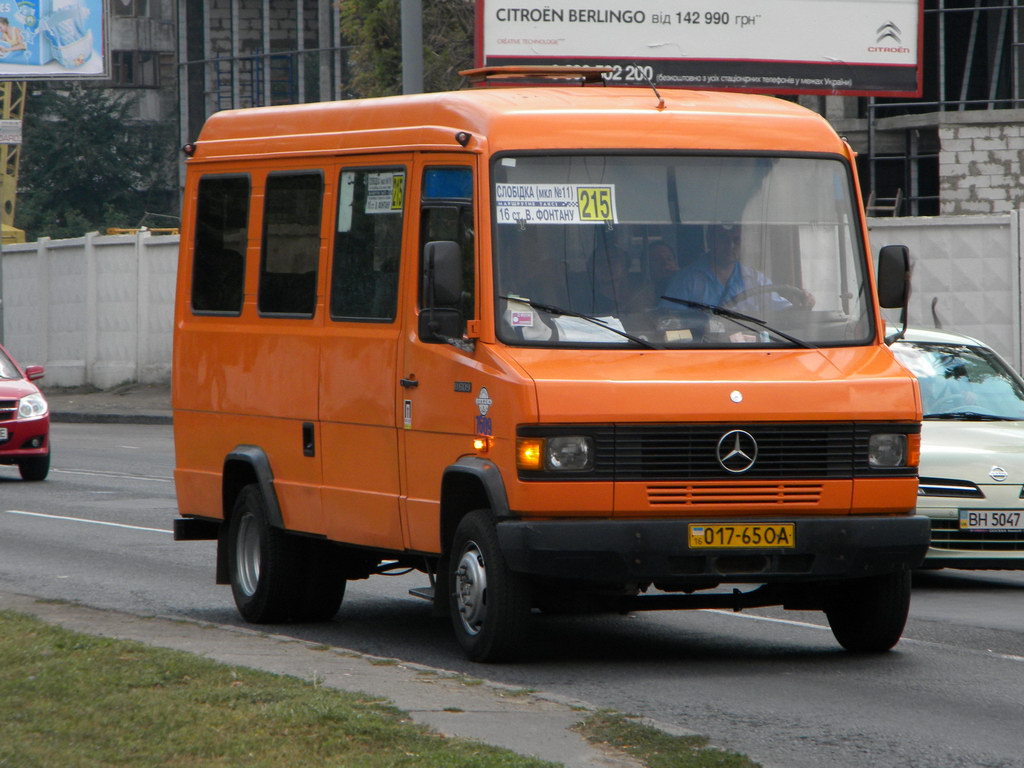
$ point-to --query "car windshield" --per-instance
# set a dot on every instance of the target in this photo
(677, 251)
(963, 382)
(7, 368)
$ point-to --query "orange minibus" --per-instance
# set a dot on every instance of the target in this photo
(557, 346)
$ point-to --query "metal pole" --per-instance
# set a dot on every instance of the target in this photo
(412, 46)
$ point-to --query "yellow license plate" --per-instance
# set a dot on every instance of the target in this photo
(741, 535)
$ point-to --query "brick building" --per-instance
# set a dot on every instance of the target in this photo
(959, 148)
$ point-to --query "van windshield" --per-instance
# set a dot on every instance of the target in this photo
(677, 251)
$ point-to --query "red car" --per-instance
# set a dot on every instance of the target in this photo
(24, 419)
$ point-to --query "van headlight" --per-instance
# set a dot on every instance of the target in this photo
(887, 450)
(570, 453)
(32, 407)
(563, 453)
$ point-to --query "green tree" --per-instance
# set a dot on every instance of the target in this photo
(373, 28)
(87, 165)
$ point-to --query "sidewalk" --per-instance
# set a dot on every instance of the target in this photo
(535, 724)
(128, 404)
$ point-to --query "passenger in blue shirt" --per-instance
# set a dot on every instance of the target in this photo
(718, 277)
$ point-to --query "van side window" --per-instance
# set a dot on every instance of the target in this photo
(447, 214)
(291, 243)
(367, 244)
(218, 259)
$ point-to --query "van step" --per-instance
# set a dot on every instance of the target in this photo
(427, 593)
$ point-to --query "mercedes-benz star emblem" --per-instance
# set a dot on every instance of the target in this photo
(737, 451)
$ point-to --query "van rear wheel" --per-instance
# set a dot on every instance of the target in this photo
(489, 604)
(868, 615)
(276, 576)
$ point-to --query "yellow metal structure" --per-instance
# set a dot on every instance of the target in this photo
(12, 107)
(136, 230)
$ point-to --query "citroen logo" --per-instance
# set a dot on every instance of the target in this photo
(889, 31)
(737, 451)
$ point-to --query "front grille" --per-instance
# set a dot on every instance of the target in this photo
(936, 486)
(7, 409)
(946, 534)
(733, 494)
(689, 452)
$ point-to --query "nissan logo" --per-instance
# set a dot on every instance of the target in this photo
(737, 451)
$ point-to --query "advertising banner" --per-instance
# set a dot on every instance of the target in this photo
(848, 47)
(60, 39)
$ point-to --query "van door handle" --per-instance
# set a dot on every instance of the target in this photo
(308, 440)
(409, 383)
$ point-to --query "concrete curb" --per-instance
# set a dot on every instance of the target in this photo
(110, 418)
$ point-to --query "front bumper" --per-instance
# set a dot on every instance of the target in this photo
(625, 551)
(952, 547)
(21, 434)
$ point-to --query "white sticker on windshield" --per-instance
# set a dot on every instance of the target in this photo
(385, 192)
(555, 203)
(521, 318)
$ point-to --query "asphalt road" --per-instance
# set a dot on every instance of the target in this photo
(769, 683)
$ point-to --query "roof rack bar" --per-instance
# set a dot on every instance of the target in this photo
(535, 71)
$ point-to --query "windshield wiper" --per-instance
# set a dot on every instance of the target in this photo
(968, 416)
(551, 309)
(740, 318)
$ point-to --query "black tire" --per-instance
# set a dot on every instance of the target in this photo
(868, 615)
(34, 469)
(276, 576)
(489, 604)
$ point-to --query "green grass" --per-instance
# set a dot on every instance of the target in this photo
(77, 701)
(655, 748)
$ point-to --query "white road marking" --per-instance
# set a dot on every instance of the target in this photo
(114, 474)
(987, 653)
(84, 520)
(753, 617)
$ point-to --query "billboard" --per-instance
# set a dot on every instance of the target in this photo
(60, 39)
(846, 47)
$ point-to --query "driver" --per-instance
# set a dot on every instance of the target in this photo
(718, 277)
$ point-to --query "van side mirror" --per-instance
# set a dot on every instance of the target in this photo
(893, 276)
(442, 266)
(441, 319)
(34, 372)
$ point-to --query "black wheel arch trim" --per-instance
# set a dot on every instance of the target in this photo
(489, 476)
(257, 459)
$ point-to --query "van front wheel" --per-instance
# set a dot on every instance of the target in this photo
(489, 604)
(868, 615)
(277, 576)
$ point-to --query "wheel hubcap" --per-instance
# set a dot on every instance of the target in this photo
(247, 555)
(471, 589)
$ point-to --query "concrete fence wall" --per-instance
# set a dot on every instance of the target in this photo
(98, 310)
(94, 310)
(966, 274)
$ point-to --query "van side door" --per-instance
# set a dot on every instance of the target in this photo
(358, 377)
(274, 384)
(436, 398)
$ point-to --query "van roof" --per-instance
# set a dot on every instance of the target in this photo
(521, 118)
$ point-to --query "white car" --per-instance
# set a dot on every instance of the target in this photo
(972, 450)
